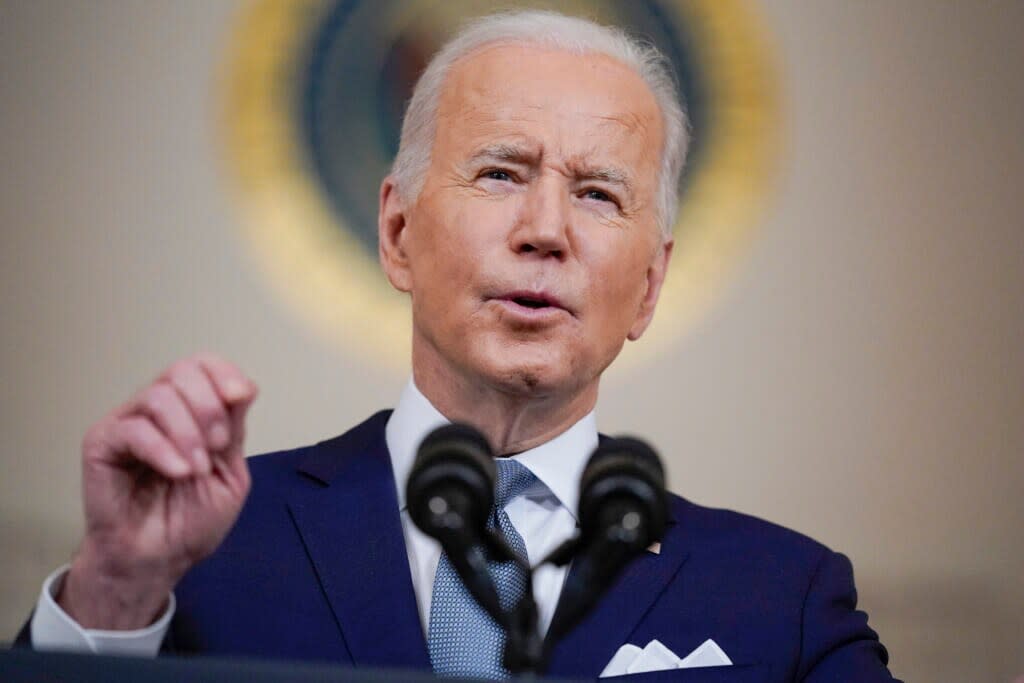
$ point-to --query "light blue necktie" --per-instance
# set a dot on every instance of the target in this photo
(462, 638)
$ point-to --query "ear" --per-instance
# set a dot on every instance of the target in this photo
(655, 278)
(391, 224)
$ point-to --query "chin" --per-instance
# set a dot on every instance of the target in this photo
(537, 376)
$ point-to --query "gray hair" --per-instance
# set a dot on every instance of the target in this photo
(557, 31)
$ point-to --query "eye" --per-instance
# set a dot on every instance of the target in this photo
(497, 174)
(598, 195)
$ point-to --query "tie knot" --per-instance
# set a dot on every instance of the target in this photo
(513, 479)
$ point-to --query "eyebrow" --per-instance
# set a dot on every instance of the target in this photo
(608, 175)
(504, 152)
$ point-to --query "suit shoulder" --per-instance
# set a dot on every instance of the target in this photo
(286, 468)
(724, 529)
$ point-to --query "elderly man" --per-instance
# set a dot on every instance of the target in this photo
(528, 218)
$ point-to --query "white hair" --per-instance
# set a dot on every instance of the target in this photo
(557, 31)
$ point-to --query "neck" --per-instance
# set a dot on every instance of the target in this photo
(513, 419)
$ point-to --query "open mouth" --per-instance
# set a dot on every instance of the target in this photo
(540, 301)
(529, 302)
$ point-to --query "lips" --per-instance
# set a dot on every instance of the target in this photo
(527, 301)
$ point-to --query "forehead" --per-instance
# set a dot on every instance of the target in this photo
(573, 106)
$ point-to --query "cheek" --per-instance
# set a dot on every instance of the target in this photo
(613, 306)
(619, 289)
(450, 246)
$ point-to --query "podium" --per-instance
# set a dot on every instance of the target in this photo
(27, 666)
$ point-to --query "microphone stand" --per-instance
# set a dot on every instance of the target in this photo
(621, 535)
(523, 644)
(599, 561)
(526, 652)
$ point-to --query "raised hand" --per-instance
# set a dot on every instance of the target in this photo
(163, 479)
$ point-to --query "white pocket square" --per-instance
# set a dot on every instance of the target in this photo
(631, 659)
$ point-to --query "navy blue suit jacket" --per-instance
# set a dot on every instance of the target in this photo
(316, 569)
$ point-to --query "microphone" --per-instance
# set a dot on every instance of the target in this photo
(623, 509)
(449, 493)
(622, 496)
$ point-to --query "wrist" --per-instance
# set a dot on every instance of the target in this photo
(111, 596)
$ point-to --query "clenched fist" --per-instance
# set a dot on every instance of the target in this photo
(163, 479)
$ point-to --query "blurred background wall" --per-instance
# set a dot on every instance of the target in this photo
(861, 380)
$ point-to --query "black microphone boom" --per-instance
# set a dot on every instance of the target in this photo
(623, 509)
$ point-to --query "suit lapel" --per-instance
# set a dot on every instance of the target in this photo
(587, 649)
(353, 534)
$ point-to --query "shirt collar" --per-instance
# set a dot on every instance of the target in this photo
(557, 463)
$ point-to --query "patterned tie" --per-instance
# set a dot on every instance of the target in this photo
(463, 639)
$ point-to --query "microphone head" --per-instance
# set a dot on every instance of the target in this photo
(451, 484)
(623, 482)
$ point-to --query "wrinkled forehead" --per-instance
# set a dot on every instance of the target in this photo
(569, 106)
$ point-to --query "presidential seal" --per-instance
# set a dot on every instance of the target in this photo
(313, 98)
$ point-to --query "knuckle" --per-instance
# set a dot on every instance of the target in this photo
(202, 402)
(148, 443)
(134, 433)
(191, 393)
(193, 436)
(95, 436)
(153, 398)
(210, 358)
(152, 446)
(179, 368)
(164, 392)
(208, 413)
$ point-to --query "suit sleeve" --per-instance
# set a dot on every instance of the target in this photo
(836, 642)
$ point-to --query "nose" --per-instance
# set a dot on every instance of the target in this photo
(542, 227)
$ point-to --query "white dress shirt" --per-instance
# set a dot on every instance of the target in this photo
(544, 515)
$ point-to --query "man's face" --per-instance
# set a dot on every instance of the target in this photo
(532, 252)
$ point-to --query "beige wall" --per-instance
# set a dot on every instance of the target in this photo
(862, 380)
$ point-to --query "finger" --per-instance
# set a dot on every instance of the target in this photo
(168, 411)
(232, 385)
(140, 438)
(205, 404)
(233, 472)
(238, 415)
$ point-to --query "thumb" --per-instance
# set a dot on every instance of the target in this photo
(237, 413)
